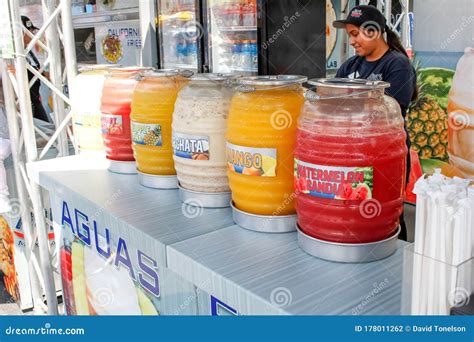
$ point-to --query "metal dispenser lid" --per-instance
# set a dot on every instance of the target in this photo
(167, 73)
(213, 77)
(272, 80)
(348, 83)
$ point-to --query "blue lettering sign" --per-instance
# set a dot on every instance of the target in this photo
(86, 238)
(125, 260)
(67, 218)
(217, 306)
(105, 253)
(150, 272)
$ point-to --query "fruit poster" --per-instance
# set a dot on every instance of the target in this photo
(109, 268)
(440, 123)
(97, 272)
(7, 259)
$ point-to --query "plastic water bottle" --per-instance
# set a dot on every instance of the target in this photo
(246, 55)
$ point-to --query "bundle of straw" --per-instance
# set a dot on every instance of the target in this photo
(444, 240)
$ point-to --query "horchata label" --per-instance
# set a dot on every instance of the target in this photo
(334, 182)
(194, 147)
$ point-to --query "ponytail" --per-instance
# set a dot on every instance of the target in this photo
(394, 43)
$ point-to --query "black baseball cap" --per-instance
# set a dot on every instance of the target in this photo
(28, 23)
(365, 16)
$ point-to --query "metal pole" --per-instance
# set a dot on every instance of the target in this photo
(68, 42)
(148, 54)
(345, 49)
(32, 155)
(52, 41)
(405, 22)
(14, 132)
(388, 12)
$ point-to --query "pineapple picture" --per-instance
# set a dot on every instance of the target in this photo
(153, 138)
(427, 120)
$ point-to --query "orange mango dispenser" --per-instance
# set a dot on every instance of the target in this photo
(261, 133)
(152, 111)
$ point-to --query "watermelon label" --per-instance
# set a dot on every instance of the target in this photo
(251, 161)
(334, 182)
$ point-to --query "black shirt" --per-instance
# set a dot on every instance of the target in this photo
(393, 67)
(33, 61)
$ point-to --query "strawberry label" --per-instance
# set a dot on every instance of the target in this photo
(111, 124)
(334, 182)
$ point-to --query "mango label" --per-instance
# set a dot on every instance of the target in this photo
(251, 161)
(191, 146)
(334, 182)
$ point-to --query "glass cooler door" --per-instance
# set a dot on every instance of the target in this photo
(232, 26)
(178, 34)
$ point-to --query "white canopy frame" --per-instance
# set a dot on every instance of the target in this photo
(17, 83)
(58, 38)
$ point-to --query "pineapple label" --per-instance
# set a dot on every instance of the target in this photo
(251, 161)
(111, 124)
(334, 182)
(146, 134)
(195, 147)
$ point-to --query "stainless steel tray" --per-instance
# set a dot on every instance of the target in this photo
(348, 252)
(204, 199)
(264, 223)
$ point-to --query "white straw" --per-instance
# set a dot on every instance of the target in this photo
(444, 236)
